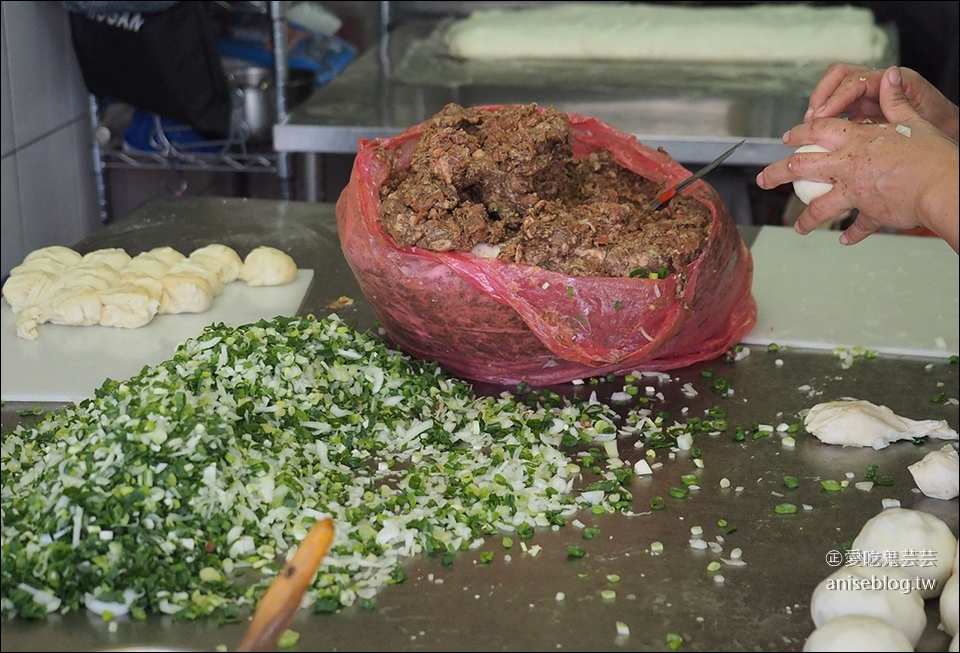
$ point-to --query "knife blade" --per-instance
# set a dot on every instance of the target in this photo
(668, 194)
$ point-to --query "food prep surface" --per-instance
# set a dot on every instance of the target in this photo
(542, 598)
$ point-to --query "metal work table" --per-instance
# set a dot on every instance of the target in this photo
(693, 111)
(515, 605)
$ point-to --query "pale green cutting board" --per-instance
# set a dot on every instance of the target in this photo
(890, 293)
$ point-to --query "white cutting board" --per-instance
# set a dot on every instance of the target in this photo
(894, 294)
(67, 363)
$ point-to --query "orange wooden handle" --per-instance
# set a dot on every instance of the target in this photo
(281, 601)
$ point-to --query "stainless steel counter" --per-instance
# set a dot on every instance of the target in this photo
(468, 606)
(693, 111)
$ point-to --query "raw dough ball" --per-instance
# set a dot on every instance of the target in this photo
(73, 307)
(858, 423)
(58, 253)
(48, 265)
(843, 592)
(856, 632)
(902, 529)
(222, 258)
(268, 266)
(128, 306)
(115, 257)
(806, 189)
(210, 273)
(185, 292)
(938, 473)
(950, 606)
(166, 254)
(144, 264)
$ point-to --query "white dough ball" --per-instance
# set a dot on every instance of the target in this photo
(856, 632)
(268, 266)
(806, 189)
(901, 529)
(950, 606)
(876, 592)
(937, 474)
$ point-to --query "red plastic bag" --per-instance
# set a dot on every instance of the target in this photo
(505, 323)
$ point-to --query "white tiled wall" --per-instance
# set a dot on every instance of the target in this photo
(48, 191)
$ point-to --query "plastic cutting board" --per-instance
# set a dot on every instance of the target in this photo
(890, 293)
(66, 363)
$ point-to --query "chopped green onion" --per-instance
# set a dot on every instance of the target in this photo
(830, 485)
(679, 492)
(785, 509)
(574, 551)
(790, 482)
(674, 641)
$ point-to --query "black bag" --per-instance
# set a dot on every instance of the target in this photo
(165, 62)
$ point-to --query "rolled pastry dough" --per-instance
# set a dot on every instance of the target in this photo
(765, 33)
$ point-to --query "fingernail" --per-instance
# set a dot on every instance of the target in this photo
(808, 113)
(894, 75)
(820, 109)
(844, 238)
(760, 179)
(785, 136)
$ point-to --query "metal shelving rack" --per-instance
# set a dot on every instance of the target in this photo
(225, 160)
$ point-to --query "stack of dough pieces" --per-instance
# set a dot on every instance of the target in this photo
(108, 287)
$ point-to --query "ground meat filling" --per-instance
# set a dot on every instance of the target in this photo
(508, 179)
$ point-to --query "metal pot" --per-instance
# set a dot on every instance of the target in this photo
(256, 83)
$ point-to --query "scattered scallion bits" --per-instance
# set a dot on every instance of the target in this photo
(785, 509)
(674, 641)
(830, 485)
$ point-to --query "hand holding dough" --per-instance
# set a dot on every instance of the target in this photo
(268, 266)
(806, 189)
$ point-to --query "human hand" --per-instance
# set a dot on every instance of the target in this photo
(855, 90)
(901, 175)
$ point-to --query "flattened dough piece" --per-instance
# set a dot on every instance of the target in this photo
(268, 266)
(221, 257)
